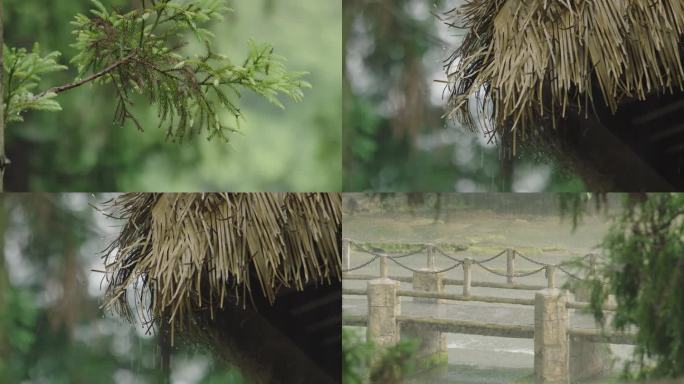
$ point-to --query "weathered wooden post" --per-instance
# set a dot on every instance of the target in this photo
(383, 267)
(383, 309)
(467, 276)
(551, 276)
(510, 265)
(551, 321)
(592, 264)
(583, 292)
(430, 256)
(346, 253)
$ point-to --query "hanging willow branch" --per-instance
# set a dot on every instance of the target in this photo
(525, 61)
(200, 252)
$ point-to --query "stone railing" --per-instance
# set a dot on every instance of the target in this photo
(561, 353)
(554, 340)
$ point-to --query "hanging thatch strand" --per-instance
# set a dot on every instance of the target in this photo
(532, 59)
(199, 252)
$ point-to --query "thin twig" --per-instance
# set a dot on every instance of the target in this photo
(95, 76)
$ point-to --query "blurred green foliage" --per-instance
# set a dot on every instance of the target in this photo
(355, 357)
(17, 319)
(364, 362)
(81, 149)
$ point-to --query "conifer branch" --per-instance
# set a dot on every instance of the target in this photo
(138, 52)
(76, 84)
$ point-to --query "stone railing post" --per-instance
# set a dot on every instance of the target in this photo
(383, 309)
(551, 349)
(551, 276)
(588, 359)
(346, 253)
(432, 348)
(467, 275)
(510, 265)
(427, 280)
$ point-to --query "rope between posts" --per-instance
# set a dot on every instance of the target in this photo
(521, 274)
(441, 252)
(426, 271)
(569, 273)
(362, 265)
(530, 260)
(377, 254)
(493, 257)
(574, 261)
(528, 273)
(459, 262)
(559, 266)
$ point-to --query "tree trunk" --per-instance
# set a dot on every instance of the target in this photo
(165, 348)
(507, 159)
(4, 283)
(3, 157)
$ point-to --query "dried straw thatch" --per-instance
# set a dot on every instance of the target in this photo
(540, 59)
(199, 252)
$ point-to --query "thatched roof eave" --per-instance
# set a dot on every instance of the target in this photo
(200, 252)
(523, 61)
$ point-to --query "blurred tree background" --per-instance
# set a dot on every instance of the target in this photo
(52, 329)
(80, 149)
(395, 136)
